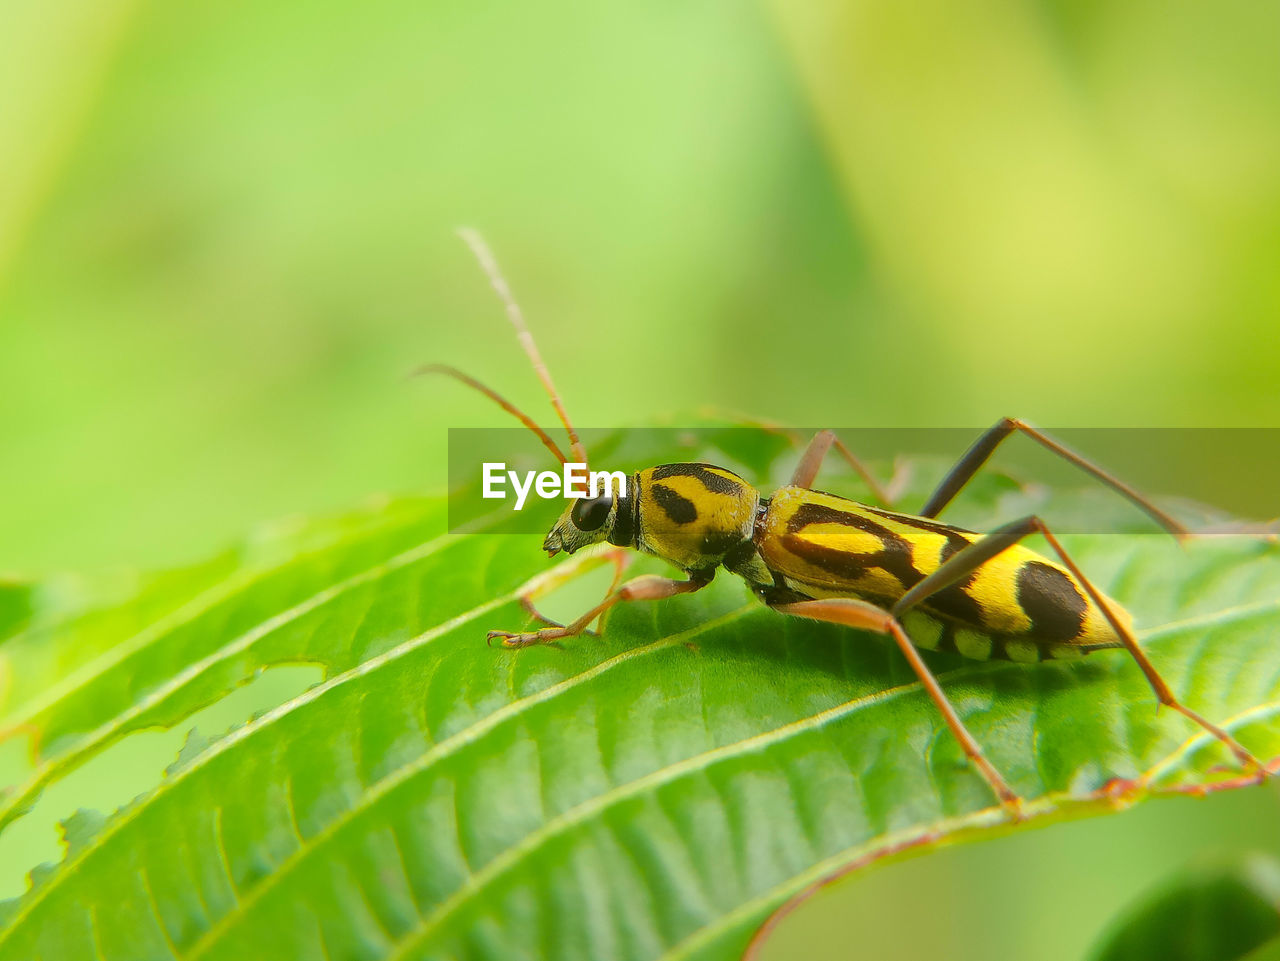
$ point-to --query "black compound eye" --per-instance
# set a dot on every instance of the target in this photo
(590, 513)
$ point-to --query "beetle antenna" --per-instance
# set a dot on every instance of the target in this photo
(490, 266)
(498, 399)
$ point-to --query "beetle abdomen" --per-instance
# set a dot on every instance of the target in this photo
(1022, 605)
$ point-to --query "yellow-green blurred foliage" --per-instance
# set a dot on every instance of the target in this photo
(226, 234)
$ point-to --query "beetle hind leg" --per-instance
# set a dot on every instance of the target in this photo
(970, 558)
(982, 449)
(864, 616)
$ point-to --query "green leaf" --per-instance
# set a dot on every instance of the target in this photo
(655, 792)
(1218, 912)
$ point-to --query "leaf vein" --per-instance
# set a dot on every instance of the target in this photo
(866, 852)
(116, 725)
(468, 735)
(512, 857)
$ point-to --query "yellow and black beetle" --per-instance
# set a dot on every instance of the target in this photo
(812, 554)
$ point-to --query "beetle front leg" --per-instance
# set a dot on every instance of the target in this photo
(646, 587)
(620, 559)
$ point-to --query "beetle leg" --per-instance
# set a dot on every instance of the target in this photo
(969, 559)
(982, 449)
(859, 614)
(620, 560)
(646, 587)
(807, 470)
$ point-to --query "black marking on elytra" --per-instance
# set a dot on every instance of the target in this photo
(957, 538)
(716, 483)
(1056, 608)
(680, 509)
(894, 557)
(623, 533)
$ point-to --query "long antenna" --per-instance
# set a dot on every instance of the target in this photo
(490, 266)
(498, 399)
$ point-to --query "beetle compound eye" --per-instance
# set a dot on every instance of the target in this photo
(590, 513)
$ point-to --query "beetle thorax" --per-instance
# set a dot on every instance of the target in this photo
(693, 514)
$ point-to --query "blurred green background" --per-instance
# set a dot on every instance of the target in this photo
(226, 234)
